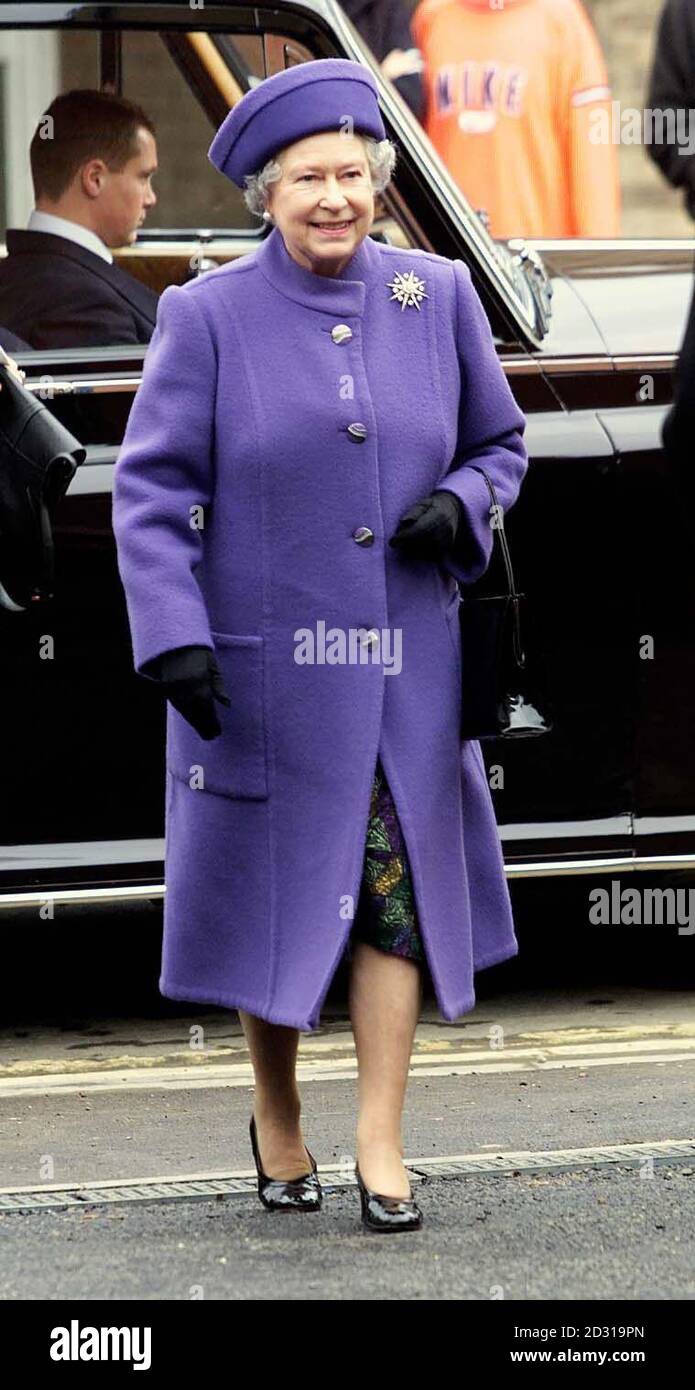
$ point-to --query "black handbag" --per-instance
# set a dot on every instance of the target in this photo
(38, 459)
(497, 698)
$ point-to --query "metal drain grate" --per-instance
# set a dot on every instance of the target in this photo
(336, 1179)
(558, 1160)
(180, 1189)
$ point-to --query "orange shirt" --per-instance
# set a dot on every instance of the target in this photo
(511, 87)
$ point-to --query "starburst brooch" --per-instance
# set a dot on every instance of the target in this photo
(407, 288)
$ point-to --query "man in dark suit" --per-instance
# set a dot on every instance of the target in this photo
(93, 156)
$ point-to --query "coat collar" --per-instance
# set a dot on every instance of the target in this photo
(335, 294)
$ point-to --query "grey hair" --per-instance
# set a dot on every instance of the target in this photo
(381, 156)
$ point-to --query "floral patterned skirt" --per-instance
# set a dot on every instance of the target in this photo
(386, 915)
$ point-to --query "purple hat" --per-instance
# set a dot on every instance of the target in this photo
(302, 100)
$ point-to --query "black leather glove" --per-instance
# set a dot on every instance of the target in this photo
(192, 681)
(428, 529)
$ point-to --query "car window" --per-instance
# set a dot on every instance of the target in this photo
(184, 83)
(190, 192)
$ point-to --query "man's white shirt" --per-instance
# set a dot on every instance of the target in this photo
(73, 231)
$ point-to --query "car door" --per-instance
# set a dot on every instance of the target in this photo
(86, 758)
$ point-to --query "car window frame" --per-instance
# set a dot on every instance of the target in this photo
(449, 221)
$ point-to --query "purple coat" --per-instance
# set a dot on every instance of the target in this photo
(241, 423)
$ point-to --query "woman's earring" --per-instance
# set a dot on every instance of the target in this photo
(266, 216)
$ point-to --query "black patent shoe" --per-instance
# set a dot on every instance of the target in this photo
(280, 1194)
(382, 1213)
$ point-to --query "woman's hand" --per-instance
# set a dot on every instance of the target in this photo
(192, 681)
(428, 529)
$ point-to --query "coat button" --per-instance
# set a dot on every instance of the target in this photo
(341, 333)
(357, 431)
(363, 536)
(370, 638)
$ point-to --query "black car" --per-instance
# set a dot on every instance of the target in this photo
(588, 334)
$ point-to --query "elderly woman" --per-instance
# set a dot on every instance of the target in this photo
(293, 503)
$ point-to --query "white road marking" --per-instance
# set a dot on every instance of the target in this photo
(62, 1077)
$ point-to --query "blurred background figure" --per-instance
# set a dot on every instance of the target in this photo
(512, 88)
(672, 90)
(385, 27)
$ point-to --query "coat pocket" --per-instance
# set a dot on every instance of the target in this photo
(234, 764)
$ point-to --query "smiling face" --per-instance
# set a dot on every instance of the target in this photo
(323, 203)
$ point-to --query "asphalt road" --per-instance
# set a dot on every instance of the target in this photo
(585, 1235)
(100, 1096)
(585, 1040)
